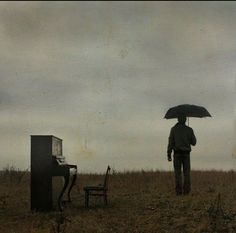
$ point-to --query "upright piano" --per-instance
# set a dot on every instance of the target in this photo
(48, 161)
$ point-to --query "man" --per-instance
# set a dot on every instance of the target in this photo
(180, 140)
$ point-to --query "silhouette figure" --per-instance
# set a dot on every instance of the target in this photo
(180, 140)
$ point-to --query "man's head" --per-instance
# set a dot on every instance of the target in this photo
(182, 119)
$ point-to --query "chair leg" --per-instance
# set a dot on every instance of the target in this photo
(86, 199)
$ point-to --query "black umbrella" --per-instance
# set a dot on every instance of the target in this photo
(188, 111)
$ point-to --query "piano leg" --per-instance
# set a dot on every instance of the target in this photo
(66, 182)
(71, 186)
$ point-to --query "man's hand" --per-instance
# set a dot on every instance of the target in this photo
(169, 158)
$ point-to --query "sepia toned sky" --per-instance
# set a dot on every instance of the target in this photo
(101, 75)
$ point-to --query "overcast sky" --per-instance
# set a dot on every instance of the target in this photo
(101, 75)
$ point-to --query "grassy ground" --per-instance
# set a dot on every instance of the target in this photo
(138, 202)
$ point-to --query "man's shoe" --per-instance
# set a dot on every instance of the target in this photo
(186, 193)
(178, 194)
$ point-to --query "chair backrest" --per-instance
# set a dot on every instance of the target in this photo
(106, 177)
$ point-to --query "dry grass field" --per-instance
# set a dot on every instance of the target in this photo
(138, 202)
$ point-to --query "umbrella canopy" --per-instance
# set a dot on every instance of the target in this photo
(187, 110)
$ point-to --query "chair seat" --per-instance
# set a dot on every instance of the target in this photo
(95, 188)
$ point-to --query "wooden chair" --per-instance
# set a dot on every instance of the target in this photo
(100, 190)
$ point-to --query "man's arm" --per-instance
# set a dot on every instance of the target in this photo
(193, 139)
(171, 144)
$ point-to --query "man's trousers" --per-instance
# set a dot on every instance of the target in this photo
(182, 160)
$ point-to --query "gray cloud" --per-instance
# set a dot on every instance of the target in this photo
(102, 74)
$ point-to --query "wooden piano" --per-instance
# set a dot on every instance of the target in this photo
(47, 161)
